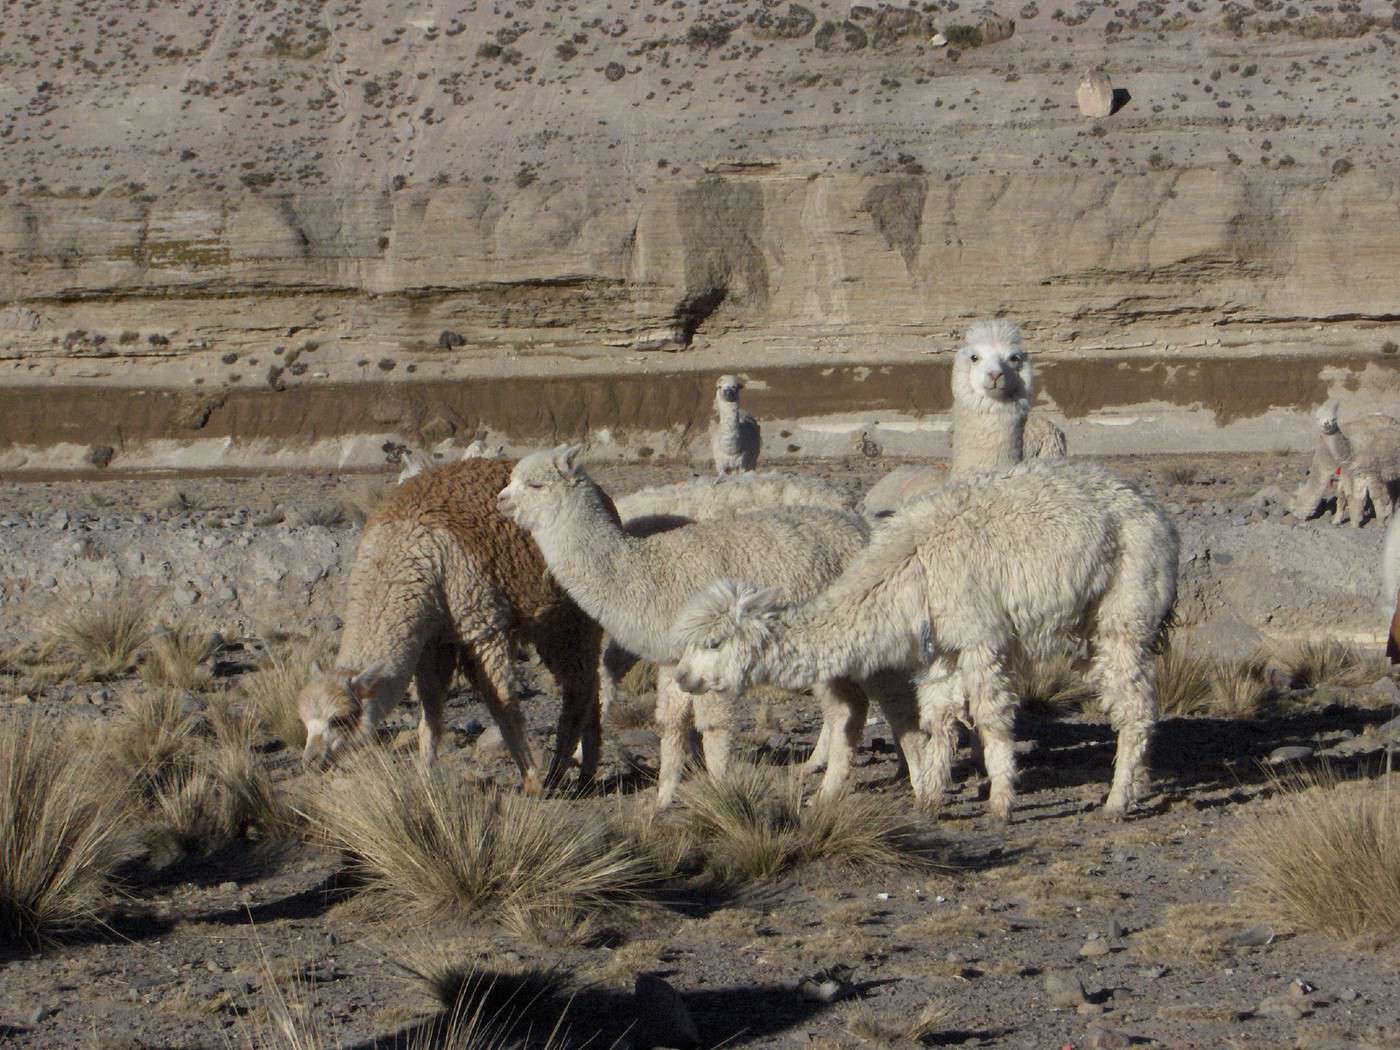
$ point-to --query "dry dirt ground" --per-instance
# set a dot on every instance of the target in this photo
(1146, 914)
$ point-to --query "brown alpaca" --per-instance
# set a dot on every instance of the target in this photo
(441, 578)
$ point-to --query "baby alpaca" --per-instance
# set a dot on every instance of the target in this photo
(440, 577)
(634, 585)
(988, 571)
(1368, 460)
(734, 435)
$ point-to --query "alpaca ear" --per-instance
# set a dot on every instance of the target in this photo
(763, 602)
(566, 459)
(364, 682)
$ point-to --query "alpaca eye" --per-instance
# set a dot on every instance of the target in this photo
(1016, 359)
(533, 485)
(342, 722)
(974, 357)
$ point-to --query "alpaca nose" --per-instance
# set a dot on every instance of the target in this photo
(687, 681)
(503, 502)
(999, 379)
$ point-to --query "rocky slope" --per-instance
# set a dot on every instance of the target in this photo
(206, 198)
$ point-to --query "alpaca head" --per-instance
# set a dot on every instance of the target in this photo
(991, 370)
(537, 485)
(720, 635)
(332, 707)
(1326, 417)
(727, 389)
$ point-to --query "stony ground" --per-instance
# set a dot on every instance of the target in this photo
(1059, 930)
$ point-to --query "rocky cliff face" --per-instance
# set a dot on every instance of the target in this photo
(207, 199)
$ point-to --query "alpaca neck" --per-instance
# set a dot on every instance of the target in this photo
(832, 638)
(600, 566)
(387, 622)
(988, 436)
(1338, 445)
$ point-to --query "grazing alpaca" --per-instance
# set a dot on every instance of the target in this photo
(734, 436)
(989, 571)
(634, 586)
(992, 427)
(1368, 458)
(440, 576)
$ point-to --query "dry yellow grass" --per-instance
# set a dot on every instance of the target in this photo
(1328, 854)
(897, 1030)
(61, 834)
(178, 656)
(434, 846)
(1310, 663)
(103, 634)
(758, 823)
(152, 741)
(1183, 684)
(1053, 684)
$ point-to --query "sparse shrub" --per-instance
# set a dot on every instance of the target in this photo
(105, 633)
(178, 656)
(1310, 664)
(224, 795)
(327, 515)
(1328, 856)
(437, 846)
(1239, 687)
(757, 824)
(60, 834)
(963, 36)
(1181, 475)
(640, 679)
(152, 742)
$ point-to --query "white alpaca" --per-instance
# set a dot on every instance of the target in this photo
(734, 434)
(440, 579)
(993, 385)
(416, 462)
(989, 571)
(1368, 458)
(635, 585)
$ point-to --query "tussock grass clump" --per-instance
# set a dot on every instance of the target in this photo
(1239, 687)
(226, 795)
(1053, 685)
(1328, 856)
(1181, 475)
(60, 835)
(756, 824)
(464, 989)
(106, 633)
(178, 656)
(434, 846)
(1310, 664)
(640, 679)
(863, 1023)
(1183, 684)
(152, 741)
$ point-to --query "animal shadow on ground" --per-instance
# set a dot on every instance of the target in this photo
(1189, 755)
(1120, 99)
(532, 1005)
(310, 903)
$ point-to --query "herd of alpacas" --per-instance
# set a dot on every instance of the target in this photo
(925, 599)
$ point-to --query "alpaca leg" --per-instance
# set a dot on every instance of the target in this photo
(844, 706)
(714, 719)
(817, 760)
(674, 718)
(1359, 492)
(495, 681)
(1341, 485)
(572, 661)
(894, 693)
(433, 677)
(992, 705)
(1126, 676)
(1380, 497)
(940, 703)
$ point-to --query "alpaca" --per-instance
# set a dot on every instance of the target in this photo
(993, 429)
(991, 570)
(441, 578)
(1368, 460)
(416, 462)
(1319, 485)
(734, 436)
(635, 585)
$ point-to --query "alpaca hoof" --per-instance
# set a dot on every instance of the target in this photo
(531, 786)
(1001, 810)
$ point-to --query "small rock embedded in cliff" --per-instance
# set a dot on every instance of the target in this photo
(1095, 95)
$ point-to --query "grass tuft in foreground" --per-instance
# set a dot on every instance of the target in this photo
(758, 823)
(1311, 663)
(178, 656)
(1328, 856)
(60, 834)
(104, 634)
(433, 846)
